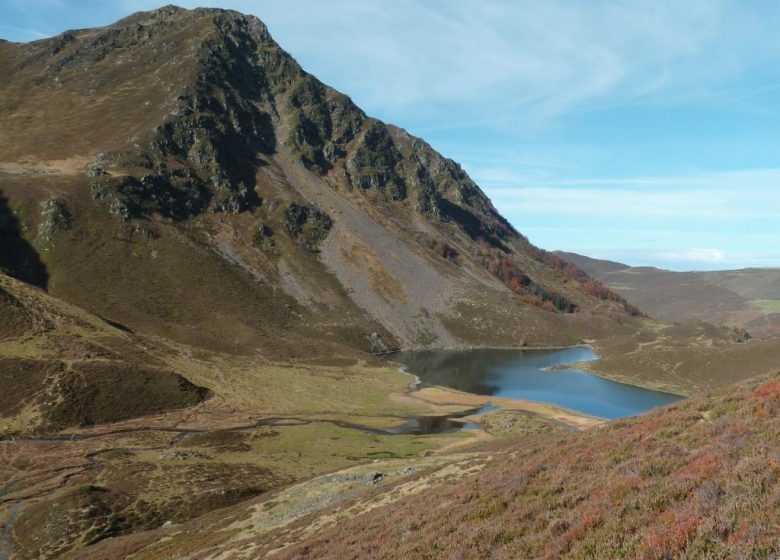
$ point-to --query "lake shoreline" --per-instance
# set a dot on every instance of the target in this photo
(616, 378)
(587, 366)
(441, 397)
(451, 401)
(505, 370)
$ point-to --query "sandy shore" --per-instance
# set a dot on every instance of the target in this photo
(449, 400)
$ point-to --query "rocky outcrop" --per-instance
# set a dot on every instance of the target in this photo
(324, 123)
(55, 218)
(378, 345)
(307, 225)
(205, 156)
(202, 114)
(264, 237)
(376, 163)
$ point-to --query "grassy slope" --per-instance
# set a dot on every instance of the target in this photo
(271, 333)
(74, 377)
(203, 281)
(684, 359)
(182, 464)
(63, 367)
(225, 101)
(698, 479)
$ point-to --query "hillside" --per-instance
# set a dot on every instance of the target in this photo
(62, 367)
(699, 479)
(747, 299)
(106, 432)
(108, 448)
(180, 174)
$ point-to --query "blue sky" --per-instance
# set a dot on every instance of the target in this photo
(644, 132)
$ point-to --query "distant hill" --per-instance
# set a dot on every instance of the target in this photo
(747, 298)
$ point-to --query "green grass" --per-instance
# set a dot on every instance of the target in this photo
(766, 305)
(285, 389)
(301, 451)
(310, 449)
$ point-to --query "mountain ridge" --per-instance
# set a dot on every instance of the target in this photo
(201, 123)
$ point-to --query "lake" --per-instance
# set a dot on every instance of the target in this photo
(520, 374)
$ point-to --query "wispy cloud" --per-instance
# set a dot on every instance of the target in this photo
(722, 205)
(696, 221)
(727, 196)
(693, 259)
(761, 178)
(526, 60)
(533, 59)
(708, 256)
(499, 63)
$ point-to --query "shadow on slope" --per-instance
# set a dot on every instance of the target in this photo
(17, 257)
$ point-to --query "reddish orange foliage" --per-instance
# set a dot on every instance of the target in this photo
(701, 466)
(670, 535)
(769, 390)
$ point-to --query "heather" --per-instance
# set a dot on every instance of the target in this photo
(695, 480)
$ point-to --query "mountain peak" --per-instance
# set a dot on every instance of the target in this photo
(196, 120)
(172, 13)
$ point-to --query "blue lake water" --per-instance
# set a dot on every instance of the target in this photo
(519, 374)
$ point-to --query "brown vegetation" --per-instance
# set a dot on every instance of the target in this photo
(216, 171)
(700, 479)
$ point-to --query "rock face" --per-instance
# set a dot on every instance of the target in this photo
(54, 218)
(212, 179)
(308, 225)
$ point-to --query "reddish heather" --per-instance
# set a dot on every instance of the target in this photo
(700, 479)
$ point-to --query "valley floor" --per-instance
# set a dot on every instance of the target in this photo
(297, 438)
(698, 479)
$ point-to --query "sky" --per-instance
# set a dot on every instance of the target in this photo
(642, 132)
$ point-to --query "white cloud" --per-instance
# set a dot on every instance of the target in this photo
(752, 194)
(685, 204)
(706, 256)
(692, 259)
(503, 64)
(520, 74)
(698, 221)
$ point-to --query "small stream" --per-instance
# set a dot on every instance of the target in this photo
(439, 424)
